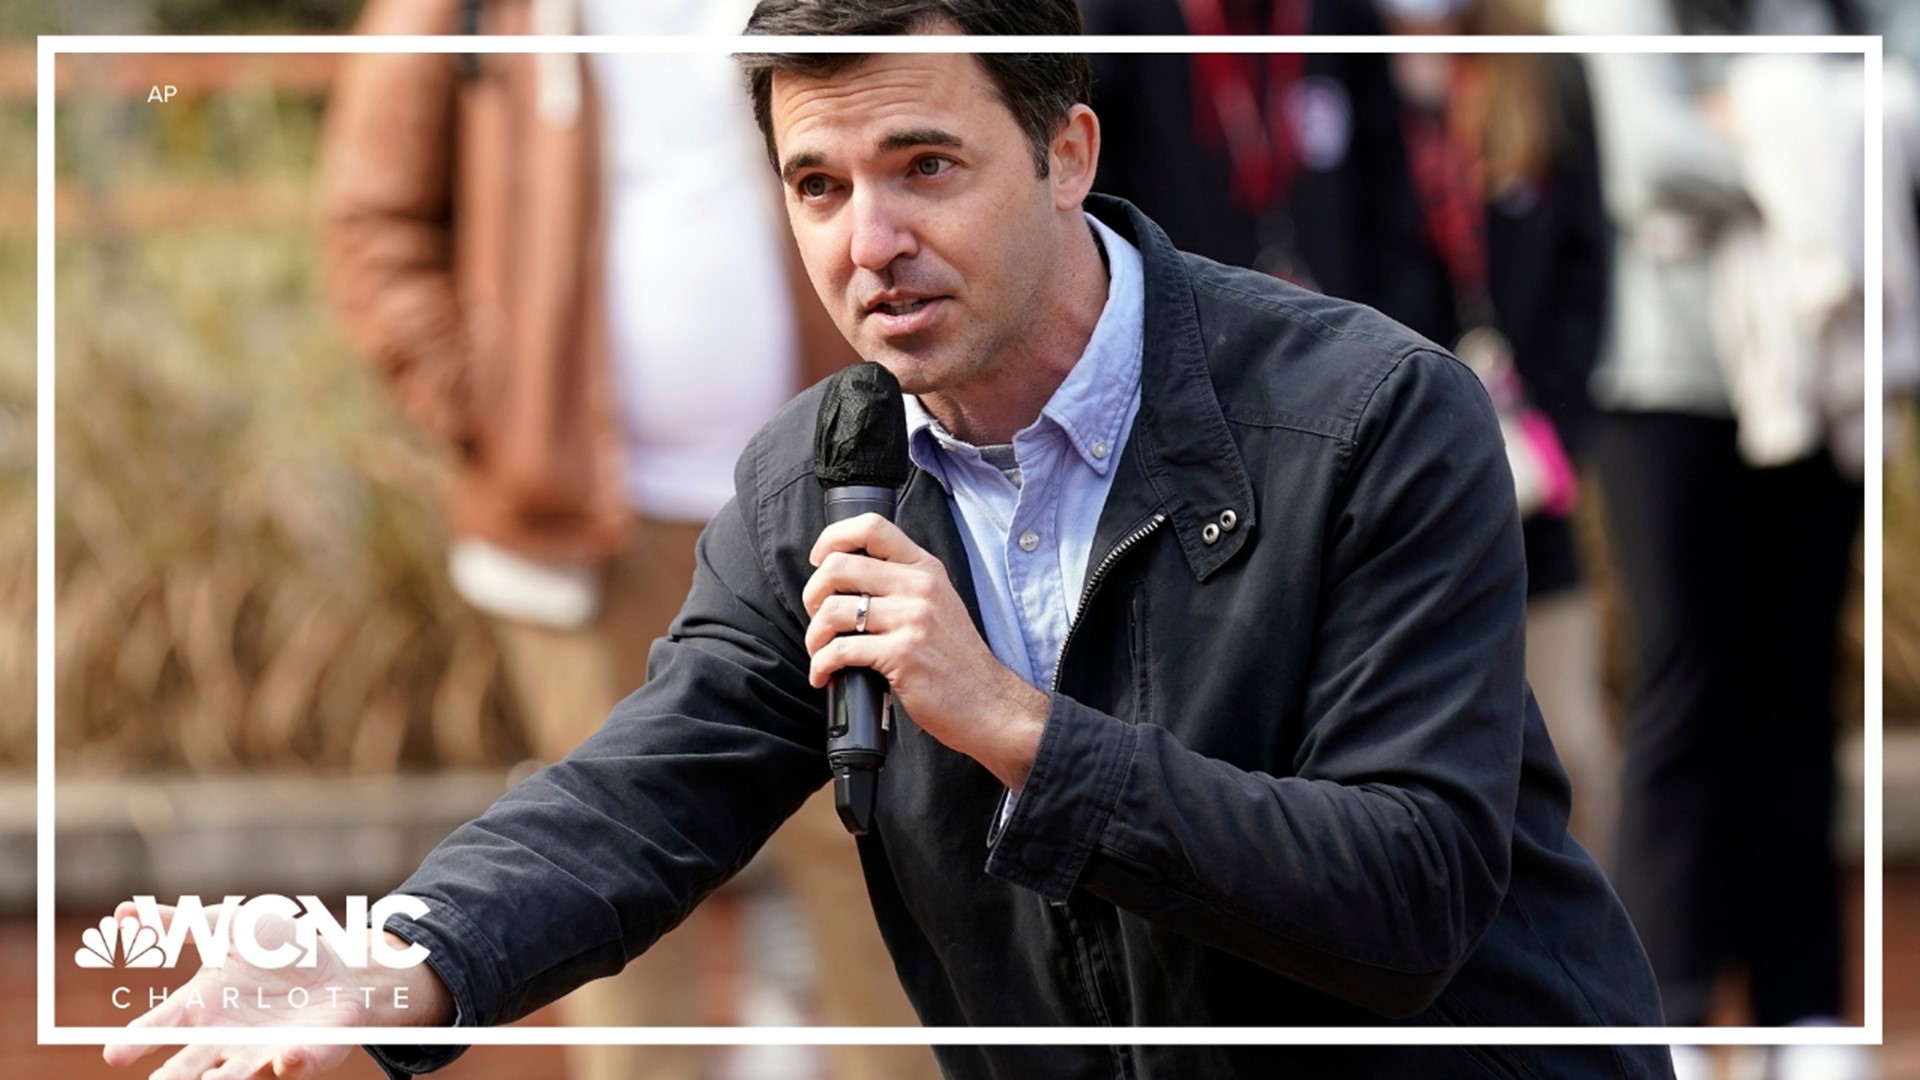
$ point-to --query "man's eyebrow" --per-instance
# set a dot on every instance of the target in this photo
(805, 159)
(906, 140)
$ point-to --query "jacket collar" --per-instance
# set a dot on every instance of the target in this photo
(1180, 458)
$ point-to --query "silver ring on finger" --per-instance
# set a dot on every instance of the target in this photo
(860, 613)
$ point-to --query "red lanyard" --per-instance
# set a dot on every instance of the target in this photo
(1229, 108)
(1448, 178)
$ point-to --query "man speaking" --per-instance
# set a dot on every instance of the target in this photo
(1200, 614)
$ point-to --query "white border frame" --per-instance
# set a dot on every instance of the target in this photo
(1870, 1033)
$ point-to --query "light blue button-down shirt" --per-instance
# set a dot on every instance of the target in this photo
(1029, 543)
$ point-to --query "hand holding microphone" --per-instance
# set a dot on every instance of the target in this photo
(886, 621)
(860, 458)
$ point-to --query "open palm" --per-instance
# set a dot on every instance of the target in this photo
(242, 994)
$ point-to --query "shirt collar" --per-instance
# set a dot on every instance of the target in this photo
(1092, 404)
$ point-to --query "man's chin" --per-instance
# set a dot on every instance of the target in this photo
(918, 373)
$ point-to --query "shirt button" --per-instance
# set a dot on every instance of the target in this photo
(1029, 540)
(1100, 450)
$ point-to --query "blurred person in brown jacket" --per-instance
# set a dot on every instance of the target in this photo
(591, 302)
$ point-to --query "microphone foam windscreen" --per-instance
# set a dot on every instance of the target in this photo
(860, 437)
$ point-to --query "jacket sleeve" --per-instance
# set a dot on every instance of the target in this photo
(386, 209)
(582, 866)
(1371, 872)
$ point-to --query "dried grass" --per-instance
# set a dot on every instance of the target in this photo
(16, 436)
(248, 542)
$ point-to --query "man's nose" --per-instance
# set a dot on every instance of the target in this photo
(881, 234)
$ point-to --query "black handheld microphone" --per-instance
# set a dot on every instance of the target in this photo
(860, 457)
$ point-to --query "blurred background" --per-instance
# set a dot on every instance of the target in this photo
(267, 680)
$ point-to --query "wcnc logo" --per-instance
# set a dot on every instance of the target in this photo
(145, 940)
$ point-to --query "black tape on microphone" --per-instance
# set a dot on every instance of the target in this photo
(860, 458)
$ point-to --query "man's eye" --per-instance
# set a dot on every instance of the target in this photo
(931, 166)
(813, 186)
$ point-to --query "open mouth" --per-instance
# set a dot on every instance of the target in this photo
(906, 316)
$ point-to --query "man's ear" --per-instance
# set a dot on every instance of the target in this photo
(1073, 157)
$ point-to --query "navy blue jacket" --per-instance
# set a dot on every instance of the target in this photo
(1292, 774)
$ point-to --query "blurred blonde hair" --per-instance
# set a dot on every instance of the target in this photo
(1514, 109)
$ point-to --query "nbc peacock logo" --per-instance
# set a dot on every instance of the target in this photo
(126, 942)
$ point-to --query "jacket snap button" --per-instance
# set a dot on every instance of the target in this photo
(1228, 519)
(1210, 534)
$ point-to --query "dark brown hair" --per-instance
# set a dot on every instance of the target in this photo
(1038, 88)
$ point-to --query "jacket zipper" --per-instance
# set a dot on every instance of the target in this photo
(1093, 582)
(1081, 946)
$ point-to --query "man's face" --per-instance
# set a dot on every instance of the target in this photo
(918, 212)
